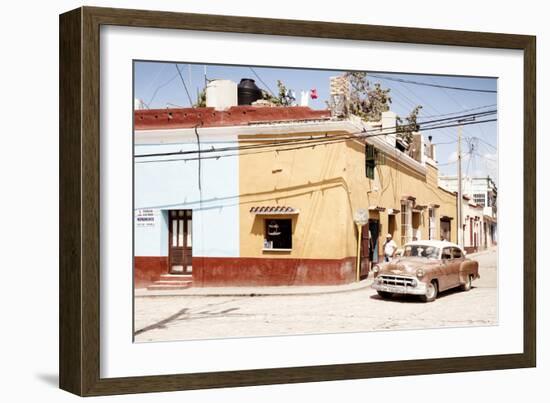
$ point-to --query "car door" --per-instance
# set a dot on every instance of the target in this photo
(454, 267)
(446, 267)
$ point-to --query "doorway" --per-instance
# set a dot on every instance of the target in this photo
(392, 225)
(180, 241)
(445, 229)
(374, 251)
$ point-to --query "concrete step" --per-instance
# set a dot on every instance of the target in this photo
(172, 282)
(172, 286)
(176, 277)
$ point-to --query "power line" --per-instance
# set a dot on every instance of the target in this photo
(485, 157)
(262, 81)
(445, 142)
(184, 85)
(455, 101)
(158, 88)
(486, 143)
(401, 80)
(426, 104)
(310, 139)
(461, 111)
(331, 140)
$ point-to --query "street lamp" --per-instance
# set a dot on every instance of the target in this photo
(360, 217)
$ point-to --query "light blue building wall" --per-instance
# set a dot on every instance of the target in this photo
(169, 182)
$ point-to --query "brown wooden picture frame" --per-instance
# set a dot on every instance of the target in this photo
(79, 346)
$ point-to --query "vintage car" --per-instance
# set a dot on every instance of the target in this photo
(425, 268)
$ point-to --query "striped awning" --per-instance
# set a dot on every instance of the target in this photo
(269, 210)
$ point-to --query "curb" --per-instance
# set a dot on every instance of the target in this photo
(366, 283)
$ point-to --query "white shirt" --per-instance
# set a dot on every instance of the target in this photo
(390, 247)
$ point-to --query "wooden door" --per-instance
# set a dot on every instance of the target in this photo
(180, 241)
(375, 229)
(365, 250)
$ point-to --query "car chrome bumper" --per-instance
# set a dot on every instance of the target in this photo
(417, 288)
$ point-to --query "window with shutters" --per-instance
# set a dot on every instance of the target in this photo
(370, 160)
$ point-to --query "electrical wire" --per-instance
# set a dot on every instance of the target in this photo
(401, 80)
(184, 85)
(357, 136)
(262, 81)
(461, 111)
(316, 139)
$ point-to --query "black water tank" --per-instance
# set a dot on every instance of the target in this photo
(248, 92)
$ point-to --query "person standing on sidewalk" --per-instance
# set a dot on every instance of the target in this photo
(389, 248)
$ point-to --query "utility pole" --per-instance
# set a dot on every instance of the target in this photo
(459, 193)
(460, 237)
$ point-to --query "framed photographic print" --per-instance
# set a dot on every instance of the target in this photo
(250, 201)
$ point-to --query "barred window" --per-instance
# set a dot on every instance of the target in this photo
(479, 198)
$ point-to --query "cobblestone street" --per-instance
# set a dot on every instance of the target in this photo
(185, 317)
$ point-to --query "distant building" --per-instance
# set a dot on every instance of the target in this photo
(480, 192)
(271, 197)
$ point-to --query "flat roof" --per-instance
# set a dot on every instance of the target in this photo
(180, 118)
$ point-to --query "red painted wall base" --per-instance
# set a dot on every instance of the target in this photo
(227, 271)
(148, 269)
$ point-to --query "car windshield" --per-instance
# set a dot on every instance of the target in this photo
(427, 251)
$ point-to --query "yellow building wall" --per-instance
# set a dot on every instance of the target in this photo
(327, 184)
(392, 181)
(310, 180)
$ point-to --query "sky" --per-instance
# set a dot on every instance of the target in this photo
(159, 85)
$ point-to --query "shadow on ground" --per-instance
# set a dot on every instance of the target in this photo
(403, 298)
(49, 379)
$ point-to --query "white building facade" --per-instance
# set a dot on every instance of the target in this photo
(479, 210)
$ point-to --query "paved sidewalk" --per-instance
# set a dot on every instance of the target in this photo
(255, 291)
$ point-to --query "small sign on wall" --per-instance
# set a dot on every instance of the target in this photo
(146, 218)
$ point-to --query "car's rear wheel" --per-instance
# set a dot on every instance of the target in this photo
(431, 292)
(467, 286)
(385, 294)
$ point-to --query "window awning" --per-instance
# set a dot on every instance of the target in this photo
(377, 208)
(446, 218)
(271, 210)
(393, 211)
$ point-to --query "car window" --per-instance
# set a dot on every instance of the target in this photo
(428, 251)
(446, 254)
(457, 253)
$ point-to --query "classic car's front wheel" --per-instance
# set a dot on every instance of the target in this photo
(431, 292)
(384, 294)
